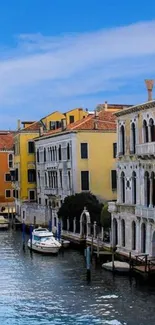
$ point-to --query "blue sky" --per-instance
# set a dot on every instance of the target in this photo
(61, 54)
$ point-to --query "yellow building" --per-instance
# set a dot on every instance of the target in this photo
(79, 157)
(24, 173)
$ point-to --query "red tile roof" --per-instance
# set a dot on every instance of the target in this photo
(33, 127)
(104, 121)
(6, 140)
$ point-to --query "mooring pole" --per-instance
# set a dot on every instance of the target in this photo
(88, 263)
(113, 260)
(31, 230)
(23, 234)
(59, 230)
(50, 225)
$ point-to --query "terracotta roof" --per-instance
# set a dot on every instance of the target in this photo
(6, 140)
(104, 121)
(33, 127)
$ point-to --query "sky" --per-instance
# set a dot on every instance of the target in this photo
(62, 54)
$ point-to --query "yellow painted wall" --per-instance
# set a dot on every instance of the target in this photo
(78, 114)
(56, 116)
(22, 161)
(100, 162)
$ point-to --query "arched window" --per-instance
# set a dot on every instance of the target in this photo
(152, 130)
(143, 238)
(123, 232)
(145, 132)
(134, 190)
(68, 151)
(153, 189)
(115, 232)
(45, 179)
(147, 189)
(38, 157)
(55, 153)
(39, 179)
(10, 160)
(44, 154)
(133, 235)
(122, 140)
(133, 138)
(122, 187)
(60, 152)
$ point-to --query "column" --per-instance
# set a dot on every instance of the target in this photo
(81, 228)
(102, 233)
(149, 133)
(119, 235)
(138, 236)
(94, 229)
(148, 238)
(74, 225)
(151, 191)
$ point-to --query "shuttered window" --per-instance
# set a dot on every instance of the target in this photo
(85, 180)
(113, 179)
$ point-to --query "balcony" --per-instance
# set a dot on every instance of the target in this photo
(51, 191)
(121, 208)
(146, 149)
(145, 212)
(51, 165)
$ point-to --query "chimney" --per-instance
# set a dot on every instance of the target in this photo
(18, 124)
(106, 105)
(95, 125)
(149, 84)
(41, 131)
(63, 124)
(96, 113)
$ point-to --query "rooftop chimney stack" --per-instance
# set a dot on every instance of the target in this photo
(18, 124)
(149, 84)
(106, 105)
(41, 131)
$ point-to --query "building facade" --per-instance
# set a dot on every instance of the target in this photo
(133, 215)
(7, 194)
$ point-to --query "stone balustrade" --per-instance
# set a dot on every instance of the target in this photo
(145, 212)
(147, 149)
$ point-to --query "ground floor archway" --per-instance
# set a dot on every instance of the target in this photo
(115, 232)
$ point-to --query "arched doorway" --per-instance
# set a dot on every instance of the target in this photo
(85, 223)
(153, 244)
(133, 235)
(143, 238)
(123, 232)
(133, 138)
(134, 190)
(115, 232)
(122, 187)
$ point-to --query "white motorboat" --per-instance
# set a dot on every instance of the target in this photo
(4, 224)
(44, 242)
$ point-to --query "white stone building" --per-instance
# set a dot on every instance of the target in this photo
(133, 215)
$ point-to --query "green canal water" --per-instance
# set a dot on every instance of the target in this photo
(43, 290)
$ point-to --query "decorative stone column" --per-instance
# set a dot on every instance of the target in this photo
(94, 229)
(102, 234)
(74, 225)
(88, 229)
(148, 238)
(138, 236)
(151, 191)
(81, 228)
(67, 224)
(149, 133)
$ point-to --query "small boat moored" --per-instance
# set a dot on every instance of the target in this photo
(120, 267)
(44, 242)
(4, 224)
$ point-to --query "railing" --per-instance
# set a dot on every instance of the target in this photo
(51, 191)
(146, 149)
(146, 212)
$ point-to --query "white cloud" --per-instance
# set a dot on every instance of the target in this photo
(40, 72)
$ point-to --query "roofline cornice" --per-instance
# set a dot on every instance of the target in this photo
(136, 108)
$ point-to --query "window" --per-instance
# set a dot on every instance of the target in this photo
(84, 150)
(8, 193)
(46, 201)
(10, 160)
(54, 125)
(16, 174)
(122, 187)
(114, 150)
(44, 154)
(122, 140)
(133, 139)
(68, 151)
(32, 195)
(31, 148)
(60, 157)
(31, 175)
(17, 194)
(39, 200)
(7, 177)
(85, 180)
(113, 180)
(60, 176)
(14, 193)
(69, 180)
(58, 124)
(71, 119)
(38, 155)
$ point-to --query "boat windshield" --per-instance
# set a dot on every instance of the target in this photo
(46, 238)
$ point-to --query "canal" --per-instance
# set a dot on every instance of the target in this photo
(53, 290)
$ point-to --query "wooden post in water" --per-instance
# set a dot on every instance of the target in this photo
(31, 230)
(34, 222)
(98, 248)
(130, 261)
(88, 263)
(23, 234)
(92, 246)
(50, 225)
(113, 260)
(145, 263)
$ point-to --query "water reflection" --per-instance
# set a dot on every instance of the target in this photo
(53, 290)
